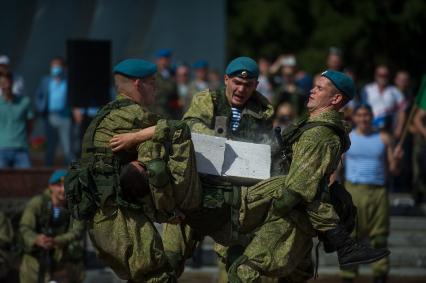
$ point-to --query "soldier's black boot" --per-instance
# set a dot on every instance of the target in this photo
(351, 252)
(380, 279)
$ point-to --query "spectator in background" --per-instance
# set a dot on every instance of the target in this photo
(403, 84)
(334, 59)
(182, 82)
(215, 79)
(387, 102)
(264, 86)
(50, 237)
(166, 94)
(18, 81)
(201, 80)
(284, 115)
(52, 104)
(15, 123)
(419, 156)
(367, 162)
(287, 90)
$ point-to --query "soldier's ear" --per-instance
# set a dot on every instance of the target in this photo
(337, 99)
(226, 79)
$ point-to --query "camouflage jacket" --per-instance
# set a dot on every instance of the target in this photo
(36, 219)
(316, 156)
(130, 118)
(256, 117)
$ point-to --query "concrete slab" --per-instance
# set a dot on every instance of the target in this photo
(232, 159)
(210, 153)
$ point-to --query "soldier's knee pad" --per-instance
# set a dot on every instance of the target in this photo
(158, 172)
(379, 241)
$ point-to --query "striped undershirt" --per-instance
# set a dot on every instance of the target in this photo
(235, 119)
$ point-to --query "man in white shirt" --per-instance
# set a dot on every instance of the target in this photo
(387, 102)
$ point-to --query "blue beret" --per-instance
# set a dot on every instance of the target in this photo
(165, 52)
(57, 176)
(200, 64)
(243, 67)
(342, 82)
(136, 68)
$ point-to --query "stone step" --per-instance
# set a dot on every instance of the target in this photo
(326, 274)
(408, 223)
(400, 257)
(407, 238)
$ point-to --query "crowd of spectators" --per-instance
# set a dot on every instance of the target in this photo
(282, 82)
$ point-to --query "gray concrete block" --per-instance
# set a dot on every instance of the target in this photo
(232, 159)
(210, 153)
(247, 160)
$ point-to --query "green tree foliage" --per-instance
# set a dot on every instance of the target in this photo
(368, 31)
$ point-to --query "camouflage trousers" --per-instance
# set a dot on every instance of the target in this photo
(372, 204)
(265, 244)
(127, 241)
(64, 272)
(419, 164)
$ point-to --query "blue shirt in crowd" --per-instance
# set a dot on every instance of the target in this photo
(57, 99)
(14, 115)
(365, 161)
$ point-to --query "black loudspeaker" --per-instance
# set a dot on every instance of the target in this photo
(89, 72)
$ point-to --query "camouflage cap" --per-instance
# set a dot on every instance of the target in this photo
(243, 67)
(342, 82)
(135, 68)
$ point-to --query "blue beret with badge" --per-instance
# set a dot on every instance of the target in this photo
(342, 82)
(135, 68)
(243, 67)
(57, 176)
(200, 64)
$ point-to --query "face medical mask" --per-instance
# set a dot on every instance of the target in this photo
(56, 71)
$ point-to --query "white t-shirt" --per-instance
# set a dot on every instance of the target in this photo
(384, 104)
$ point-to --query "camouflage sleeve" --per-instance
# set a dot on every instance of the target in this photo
(6, 231)
(315, 156)
(123, 120)
(74, 233)
(28, 223)
(200, 115)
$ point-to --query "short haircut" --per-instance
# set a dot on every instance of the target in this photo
(364, 106)
(133, 182)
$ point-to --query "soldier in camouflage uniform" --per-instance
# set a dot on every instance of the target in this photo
(125, 204)
(166, 101)
(50, 238)
(6, 238)
(314, 157)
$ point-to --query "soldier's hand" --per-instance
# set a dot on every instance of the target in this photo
(45, 242)
(131, 140)
(123, 142)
